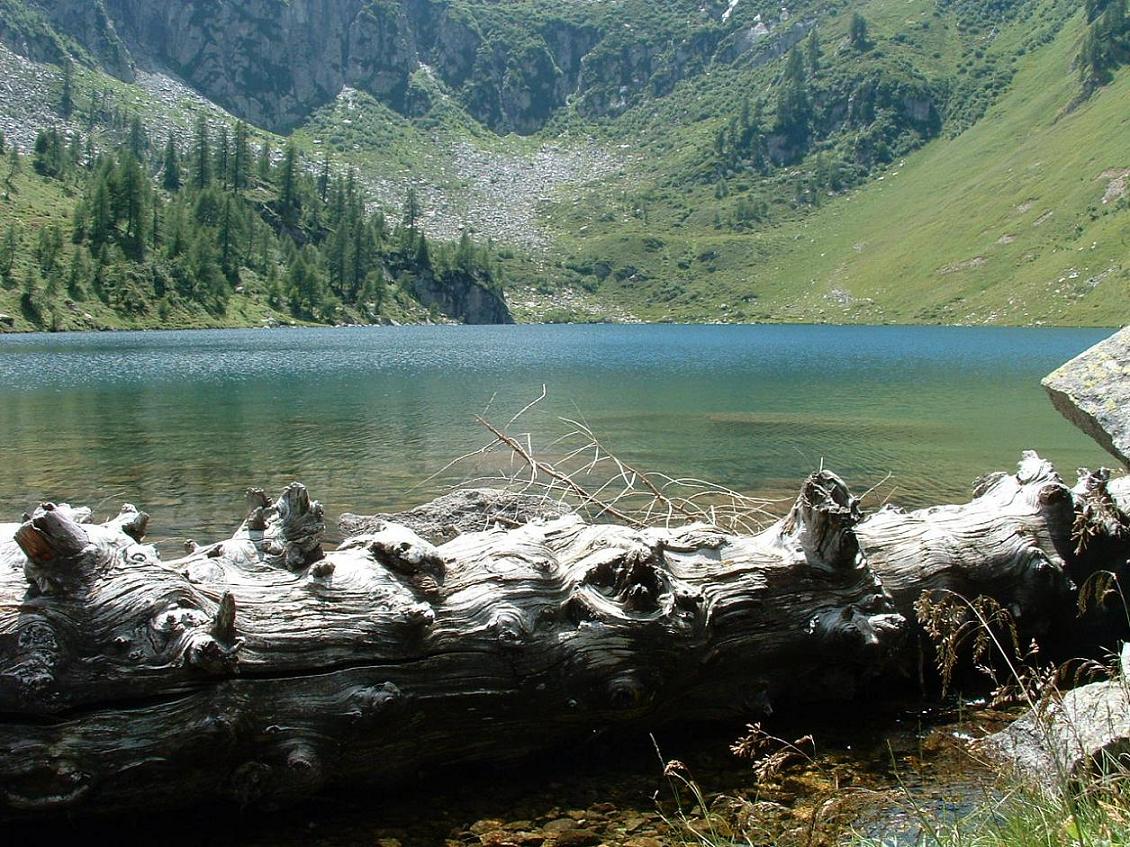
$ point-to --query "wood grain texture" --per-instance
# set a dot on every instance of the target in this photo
(263, 667)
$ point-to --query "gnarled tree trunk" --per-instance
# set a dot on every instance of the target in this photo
(263, 667)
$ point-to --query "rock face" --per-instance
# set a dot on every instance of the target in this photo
(42, 36)
(459, 295)
(1093, 392)
(273, 62)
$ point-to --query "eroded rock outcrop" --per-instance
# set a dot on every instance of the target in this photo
(1093, 392)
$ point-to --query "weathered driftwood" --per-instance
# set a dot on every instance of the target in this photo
(464, 510)
(262, 667)
(1012, 542)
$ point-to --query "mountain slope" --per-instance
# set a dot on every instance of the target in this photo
(1020, 219)
(887, 160)
(1030, 201)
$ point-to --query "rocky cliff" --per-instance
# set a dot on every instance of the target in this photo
(462, 296)
(273, 62)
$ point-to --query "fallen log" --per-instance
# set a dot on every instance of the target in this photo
(262, 668)
(1012, 542)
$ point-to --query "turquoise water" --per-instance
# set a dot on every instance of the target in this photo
(180, 423)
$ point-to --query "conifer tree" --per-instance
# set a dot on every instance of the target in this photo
(465, 253)
(14, 168)
(793, 111)
(813, 53)
(411, 208)
(858, 34)
(8, 246)
(131, 185)
(422, 258)
(201, 156)
(171, 178)
(223, 158)
(77, 275)
(288, 184)
(67, 100)
(207, 280)
(228, 237)
(49, 248)
(101, 214)
(240, 157)
(324, 177)
(155, 222)
(138, 142)
(264, 166)
(176, 239)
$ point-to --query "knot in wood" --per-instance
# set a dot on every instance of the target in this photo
(175, 620)
(55, 545)
(403, 553)
(420, 615)
(509, 626)
(290, 530)
(50, 785)
(688, 599)
(140, 554)
(223, 625)
(378, 701)
(303, 765)
(1054, 494)
(37, 636)
(250, 781)
(823, 519)
(322, 570)
(257, 504)
(848, 629)
(626, 692)
(634, 578)
(209, 655)
(132, 522)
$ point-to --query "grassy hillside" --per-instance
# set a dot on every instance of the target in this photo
(950, 165)
(1004, 222)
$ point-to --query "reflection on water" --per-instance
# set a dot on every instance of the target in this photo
(181, 423)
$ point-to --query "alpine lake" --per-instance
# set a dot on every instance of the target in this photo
(371, 419)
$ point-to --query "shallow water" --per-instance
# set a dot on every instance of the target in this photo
(875, 770)
(180, 423)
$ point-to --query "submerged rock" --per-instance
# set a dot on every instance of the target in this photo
(1093, 392)
(466, 510)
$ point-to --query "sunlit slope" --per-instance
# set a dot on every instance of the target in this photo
(1005, 223)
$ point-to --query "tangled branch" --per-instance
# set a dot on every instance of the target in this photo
(577, 471)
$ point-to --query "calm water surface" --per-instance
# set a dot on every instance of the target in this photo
(180, 423)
